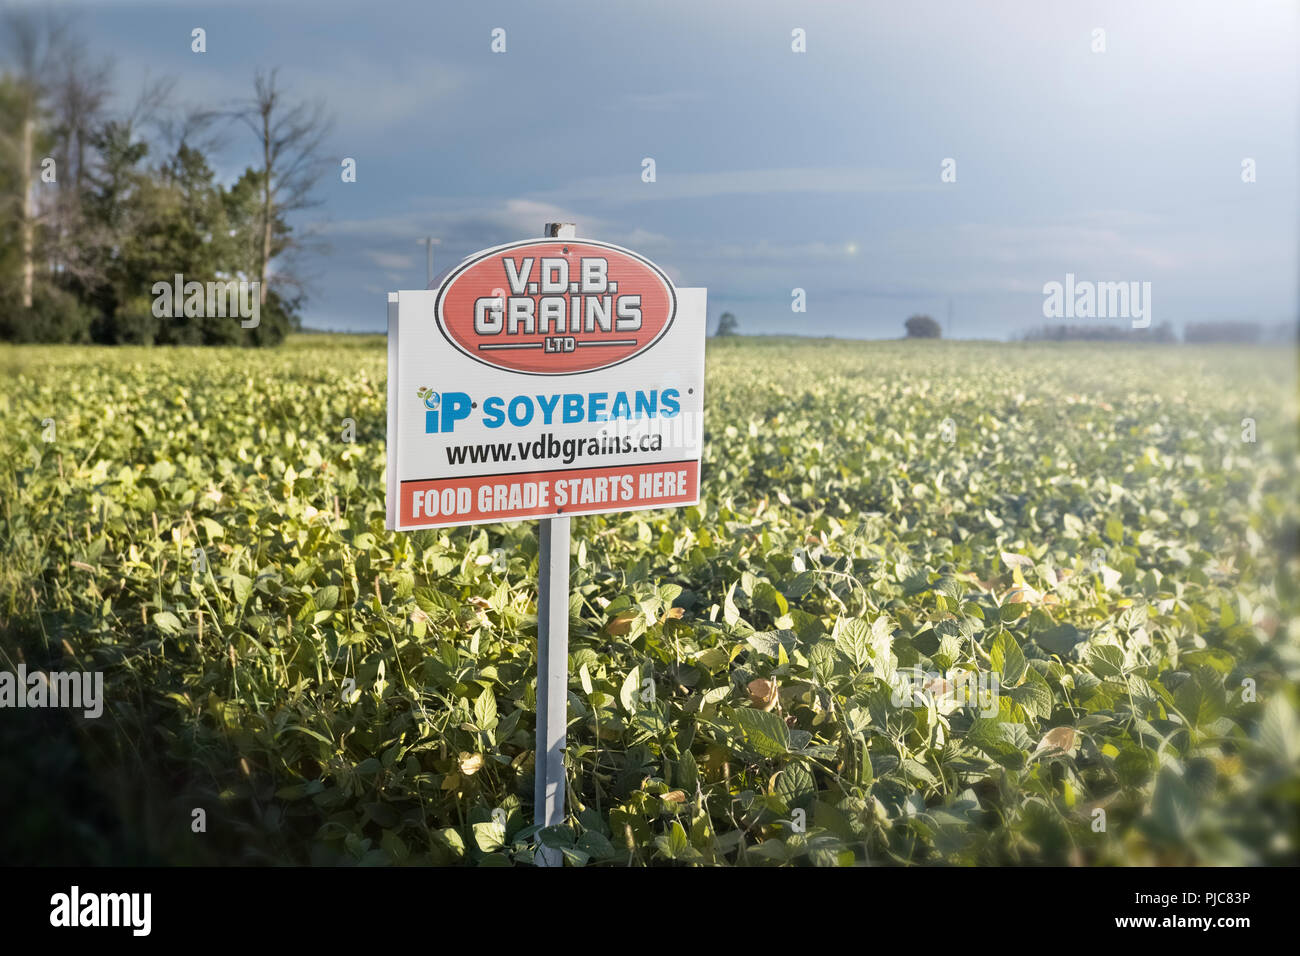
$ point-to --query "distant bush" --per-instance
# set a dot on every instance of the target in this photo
(1100, 333)
(922, 327)
(278, 318)
(133, 323)
(55, 315)
(1223, 332)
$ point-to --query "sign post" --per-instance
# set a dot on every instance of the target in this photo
(552, 658)
(544, 378)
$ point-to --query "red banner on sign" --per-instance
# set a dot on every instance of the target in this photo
(450, 501)
(555, 306)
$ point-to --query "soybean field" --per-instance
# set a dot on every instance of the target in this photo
(941, 603)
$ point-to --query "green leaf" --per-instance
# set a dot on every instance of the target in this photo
(730, 613)
(241, 587)
(434, 603)
(1034, 695)
(795, 785)
(999, 741)
(770, 643)
(853, 637)
(1010, 612)
(1060, 639)
(1279, 730)
(712, 658)
(489, 836)
(1107, 660)
(485, 710)
(596, 846)
(765, 732)
(630, 693)
(1115, 530)
(1199, 698)
(1006, 658)
(675, 845)
(556, 837)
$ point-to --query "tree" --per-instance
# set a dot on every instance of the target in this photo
(727, 325)
(1099, 332)
(81, 249)
(922, 327)
(290, 138)
(11, 175)
(37, 47)
(1223, 331)
(74, 245)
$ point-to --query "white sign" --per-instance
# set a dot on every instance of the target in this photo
(544, 377)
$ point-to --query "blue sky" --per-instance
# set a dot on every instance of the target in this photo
(776, 169)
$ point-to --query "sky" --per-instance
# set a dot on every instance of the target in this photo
(778, 170)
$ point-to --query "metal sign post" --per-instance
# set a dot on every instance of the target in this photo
(552, 657)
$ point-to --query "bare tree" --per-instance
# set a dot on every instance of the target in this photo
(151, 106)
(36, 47)
(290, 136)
(82, 240)
(80, 93)
(77, 107)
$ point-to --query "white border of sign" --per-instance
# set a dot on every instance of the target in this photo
(531, 444)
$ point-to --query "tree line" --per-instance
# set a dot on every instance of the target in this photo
(99, 207)
(1223, 332)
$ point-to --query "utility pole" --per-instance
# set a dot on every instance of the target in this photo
(429, 242)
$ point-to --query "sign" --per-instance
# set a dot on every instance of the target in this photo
(542, 378)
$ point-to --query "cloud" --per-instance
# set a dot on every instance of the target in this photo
(363, 95)
(368, 95)
(390, 260)
(661, 102)
(670, 184)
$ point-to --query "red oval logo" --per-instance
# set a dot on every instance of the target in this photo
(555, 306)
